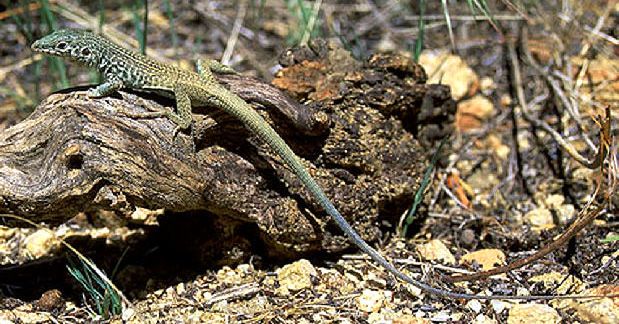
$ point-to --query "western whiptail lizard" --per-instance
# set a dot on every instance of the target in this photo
(124, 68)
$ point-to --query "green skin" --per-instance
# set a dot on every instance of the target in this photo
(124, 68)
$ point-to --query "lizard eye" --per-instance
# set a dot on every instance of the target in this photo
(61, 45)
(85, 51)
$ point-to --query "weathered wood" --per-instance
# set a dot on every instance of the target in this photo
(362, 127)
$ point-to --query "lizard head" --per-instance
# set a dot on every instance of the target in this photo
(78, 45)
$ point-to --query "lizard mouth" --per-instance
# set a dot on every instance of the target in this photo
(37, 47)
(46, 51)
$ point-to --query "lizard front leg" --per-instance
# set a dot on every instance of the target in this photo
(113, 84)
(206, 67)
(110, 86)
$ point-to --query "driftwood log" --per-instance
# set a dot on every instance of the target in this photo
(366, 131)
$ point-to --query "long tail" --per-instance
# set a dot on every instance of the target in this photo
(255, 123)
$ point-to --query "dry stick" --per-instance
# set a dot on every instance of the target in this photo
(597, 161)
(234, 35)
(570, 232)
(561, 240)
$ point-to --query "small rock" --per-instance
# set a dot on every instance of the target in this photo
(6, 232)
(180, 289)
(245, 268)
(386, 44)
(441, 316)
(333, 280)
(456, 317)
(562, 284)
(473, 112)
(40, 243)
(127, 314)
(370, 301)
(597, 310)
(50, 301)
(554, 201)
(532, 313)
(500, 150)
(505, 100)
(474, 305)
(487, 84)
(450, 70)
(483, 319)
(146, 216)
(498, 306)
(25, 316)
(435, 250)
(467, 237)
(297, 275)
(523, 139)
(410, 319)
(540, 219)
(565, 213)
(487, 258)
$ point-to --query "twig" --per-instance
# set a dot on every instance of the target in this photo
(234, 293)
(597, 161)
(407, 262)
(234, 35)
(584, 217)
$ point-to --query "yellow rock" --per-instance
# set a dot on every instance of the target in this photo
(435, 250)
(539, 219)
(40, 243)
(297, 275)
(370, 301)
(487, 258)
(450, 70)
(533, 313)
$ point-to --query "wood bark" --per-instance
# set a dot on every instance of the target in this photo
(364, 131)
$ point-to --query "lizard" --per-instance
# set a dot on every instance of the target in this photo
(125, 68)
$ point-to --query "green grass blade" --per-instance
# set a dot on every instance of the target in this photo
(141, 23)
(422, 25)
(452, 39)
(170, 13)
(57, 64)
(106, 301)
(410, 215)
(610, 239)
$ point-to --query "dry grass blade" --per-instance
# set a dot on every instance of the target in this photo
(601, 154)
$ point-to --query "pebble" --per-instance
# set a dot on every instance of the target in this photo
(296, 276)
(487, 258)
(40, 243)
(450, 70)
(435, 250)
(370, 301)
(533, 313)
